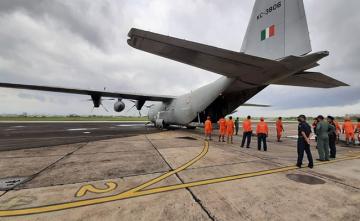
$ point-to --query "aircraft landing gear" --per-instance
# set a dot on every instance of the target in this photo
(161, 124)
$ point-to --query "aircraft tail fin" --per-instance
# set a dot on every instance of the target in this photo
(277, 28)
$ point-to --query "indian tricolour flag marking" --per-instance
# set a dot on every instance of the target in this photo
(268, 32)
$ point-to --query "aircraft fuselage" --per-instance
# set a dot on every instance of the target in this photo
(222, 96)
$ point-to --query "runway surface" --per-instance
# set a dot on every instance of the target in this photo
(29, 135)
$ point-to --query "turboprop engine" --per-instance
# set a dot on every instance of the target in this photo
(119, 106)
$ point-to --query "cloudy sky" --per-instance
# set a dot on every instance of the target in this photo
(82, 44)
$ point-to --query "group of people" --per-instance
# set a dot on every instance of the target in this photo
(227, 126)
(348, 128)
(327, 133)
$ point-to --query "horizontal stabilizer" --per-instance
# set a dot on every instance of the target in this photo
(311, 79)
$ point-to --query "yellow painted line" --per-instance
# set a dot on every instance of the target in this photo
(183, 167)
(120, 196)
(230, 178)
(90, 188)
(131, 193)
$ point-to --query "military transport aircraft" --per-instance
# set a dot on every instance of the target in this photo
(276, 50)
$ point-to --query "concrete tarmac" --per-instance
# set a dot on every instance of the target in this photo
(175, 175)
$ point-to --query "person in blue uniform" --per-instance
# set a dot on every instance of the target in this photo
(303, 143)
(332, 136)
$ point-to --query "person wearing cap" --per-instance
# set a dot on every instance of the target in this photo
(303, 142)
(262, 131)
(247, 132)
(208, 128)
(322, 132)
(332, 136)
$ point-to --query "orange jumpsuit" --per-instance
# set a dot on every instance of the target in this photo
(338, 128)
(208, 127)
(279, 128)
(262, 128)
(222, 126)
(230, 127)
(349, 129)
(247, 126)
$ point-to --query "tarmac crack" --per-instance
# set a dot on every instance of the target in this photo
(2, 194)
(50, 165)
(195, 198)
(120, 151)
(50, 155)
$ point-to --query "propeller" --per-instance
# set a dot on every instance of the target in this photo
(104, 107)
(138, 104)
(132, 108)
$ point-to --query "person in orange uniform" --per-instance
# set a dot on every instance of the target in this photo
(338, 130)
(262, 131)
(358, 129)
(279, 128)
(230, 129)
(222, 128)
(208, 128)
(348, 129)
(247, 132)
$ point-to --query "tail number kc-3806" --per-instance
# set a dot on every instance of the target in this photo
(269, 10)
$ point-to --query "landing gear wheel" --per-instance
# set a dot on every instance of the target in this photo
(191, 127)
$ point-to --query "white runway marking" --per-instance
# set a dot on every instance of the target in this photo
(20, 126)
(126, 125)
(87, 132)
(81, 129)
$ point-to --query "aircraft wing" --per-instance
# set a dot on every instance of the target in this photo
(246, 68)
(134, 96)
(311, 79)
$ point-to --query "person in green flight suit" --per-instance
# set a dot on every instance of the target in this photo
(237, 126)
(322, 133)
